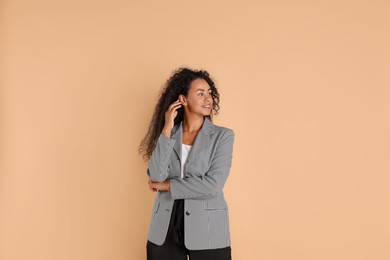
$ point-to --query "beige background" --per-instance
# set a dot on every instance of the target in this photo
(304, 84)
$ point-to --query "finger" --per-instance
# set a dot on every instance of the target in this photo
(177, 102)
(155, 187)
(174, 106)
(175, 109)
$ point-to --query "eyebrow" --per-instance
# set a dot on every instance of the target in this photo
(202, 89)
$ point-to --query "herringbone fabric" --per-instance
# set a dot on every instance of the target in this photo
(206, 213)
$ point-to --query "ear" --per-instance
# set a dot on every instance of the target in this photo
(183, 99)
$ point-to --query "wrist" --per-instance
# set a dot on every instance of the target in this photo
(167, 132)
(168, 185)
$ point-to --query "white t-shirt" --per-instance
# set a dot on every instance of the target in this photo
(185, 151)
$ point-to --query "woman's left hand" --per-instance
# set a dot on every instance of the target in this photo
(159, 186)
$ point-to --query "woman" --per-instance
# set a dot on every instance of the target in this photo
(189, 163)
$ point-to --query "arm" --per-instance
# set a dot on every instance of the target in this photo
(159, 161)
(201, 187)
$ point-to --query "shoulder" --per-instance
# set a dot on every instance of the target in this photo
(222, 131)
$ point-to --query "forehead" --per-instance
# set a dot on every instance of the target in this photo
(199, 85)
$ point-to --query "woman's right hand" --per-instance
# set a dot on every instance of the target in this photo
(170, 115)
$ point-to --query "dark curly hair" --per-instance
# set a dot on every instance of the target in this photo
(178, 84)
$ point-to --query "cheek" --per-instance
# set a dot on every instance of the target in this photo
(195, 102)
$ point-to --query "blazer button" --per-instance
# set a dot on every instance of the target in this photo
(187, 213)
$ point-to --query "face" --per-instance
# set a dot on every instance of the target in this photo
(199, 98)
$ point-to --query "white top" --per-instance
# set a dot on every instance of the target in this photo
(185, 151)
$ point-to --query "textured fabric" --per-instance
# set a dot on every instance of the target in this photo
(206, 213)
(174, 248)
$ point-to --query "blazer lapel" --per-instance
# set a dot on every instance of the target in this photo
(201, 141)
(177, 134)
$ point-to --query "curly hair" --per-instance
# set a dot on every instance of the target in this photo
(178, 84)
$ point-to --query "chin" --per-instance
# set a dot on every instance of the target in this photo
(205, 112)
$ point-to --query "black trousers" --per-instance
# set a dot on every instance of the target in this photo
(174, 248)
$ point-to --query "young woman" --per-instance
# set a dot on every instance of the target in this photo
(189, 162)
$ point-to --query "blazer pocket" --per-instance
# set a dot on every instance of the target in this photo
(215, 204)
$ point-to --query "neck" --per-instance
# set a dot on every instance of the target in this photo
(192, 124)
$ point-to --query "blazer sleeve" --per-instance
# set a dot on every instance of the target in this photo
(160, 158)
(202, 187)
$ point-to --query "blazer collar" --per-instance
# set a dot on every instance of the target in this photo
(201, 141)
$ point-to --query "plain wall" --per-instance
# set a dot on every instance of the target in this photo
(304, 84)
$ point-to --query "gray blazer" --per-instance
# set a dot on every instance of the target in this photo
(206, 218)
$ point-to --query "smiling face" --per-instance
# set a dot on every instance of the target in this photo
(199, 99)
